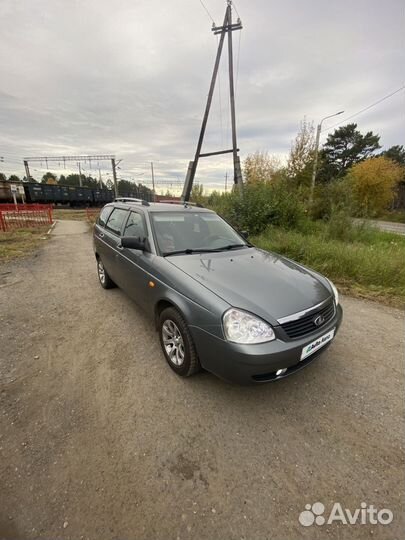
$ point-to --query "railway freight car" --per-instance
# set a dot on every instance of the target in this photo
(68, 195)
(5, 192)
(102, 196)
(56, 194)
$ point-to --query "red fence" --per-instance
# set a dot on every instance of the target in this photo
(20, 216)
(92, 214)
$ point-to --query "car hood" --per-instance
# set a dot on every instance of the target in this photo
(258, 281)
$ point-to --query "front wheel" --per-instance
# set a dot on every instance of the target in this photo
(177, 343)
(105, 281)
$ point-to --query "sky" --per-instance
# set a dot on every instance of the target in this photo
(131, 78)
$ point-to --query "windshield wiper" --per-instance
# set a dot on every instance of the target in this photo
(232, 246)
(189, 251)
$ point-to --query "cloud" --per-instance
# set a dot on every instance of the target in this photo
(131, 77)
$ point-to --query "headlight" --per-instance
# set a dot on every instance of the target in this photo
(335, 292)
(242, 327)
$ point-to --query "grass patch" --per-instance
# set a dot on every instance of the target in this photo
(15, 244)
(70, 213)
(79, 214)
(369, 263)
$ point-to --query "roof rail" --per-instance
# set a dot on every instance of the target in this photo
(131, 199)
(183, 203)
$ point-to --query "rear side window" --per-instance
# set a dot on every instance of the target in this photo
(105, 212)
(116, 219)
(135, 226)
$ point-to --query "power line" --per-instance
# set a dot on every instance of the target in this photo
(365, 108)
(235, 8)
(5, 159)
(98, 157)
(208, 13)
(225, 30)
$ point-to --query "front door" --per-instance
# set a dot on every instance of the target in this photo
(134, 264)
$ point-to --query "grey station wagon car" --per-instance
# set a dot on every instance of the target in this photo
(218, 302)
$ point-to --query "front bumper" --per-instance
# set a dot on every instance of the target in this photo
(259, 363)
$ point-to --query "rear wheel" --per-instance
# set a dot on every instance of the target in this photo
(105, 281)
(177, 343)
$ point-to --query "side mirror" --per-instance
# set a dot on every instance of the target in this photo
(133, 242)
(245, 234)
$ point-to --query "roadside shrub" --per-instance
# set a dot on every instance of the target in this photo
(373, 183)
(221, 203)
(340, 225)
(332, 197)
(259, 205)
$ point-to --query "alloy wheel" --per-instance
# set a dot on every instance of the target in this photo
(101, 272)
(173, 342)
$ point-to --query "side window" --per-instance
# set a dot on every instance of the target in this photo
(135, 226)
(105, 212)
(116, 220)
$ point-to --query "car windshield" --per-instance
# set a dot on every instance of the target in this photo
(188, 232)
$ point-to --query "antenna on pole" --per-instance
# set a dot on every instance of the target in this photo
(227, 28)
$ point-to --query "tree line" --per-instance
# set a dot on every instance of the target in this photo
(351, 170)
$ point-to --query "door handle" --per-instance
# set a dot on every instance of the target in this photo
(120, 246)
(101, 235)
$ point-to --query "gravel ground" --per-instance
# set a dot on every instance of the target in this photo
(100, 440)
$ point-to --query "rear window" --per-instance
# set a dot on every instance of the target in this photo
(116, 219)
(105, 212)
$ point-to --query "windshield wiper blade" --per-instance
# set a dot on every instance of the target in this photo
(232, 246)
(188, 251)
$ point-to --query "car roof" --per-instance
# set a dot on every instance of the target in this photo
(159, 207)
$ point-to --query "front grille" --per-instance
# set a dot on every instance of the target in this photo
(305, 325)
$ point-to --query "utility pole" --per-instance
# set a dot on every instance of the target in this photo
(314, 170)
(80, 176)
(153, 180)
(27, 171)
(226, 28)
(113, 165)
(99, 178)
(237, 175)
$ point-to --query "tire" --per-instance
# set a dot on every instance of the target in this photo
(105, 281)
(181, 357)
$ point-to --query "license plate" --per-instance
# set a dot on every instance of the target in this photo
(317, 344)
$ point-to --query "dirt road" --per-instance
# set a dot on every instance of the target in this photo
(100, 440)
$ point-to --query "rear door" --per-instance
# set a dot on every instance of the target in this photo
(112, 242)
(100, 245)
